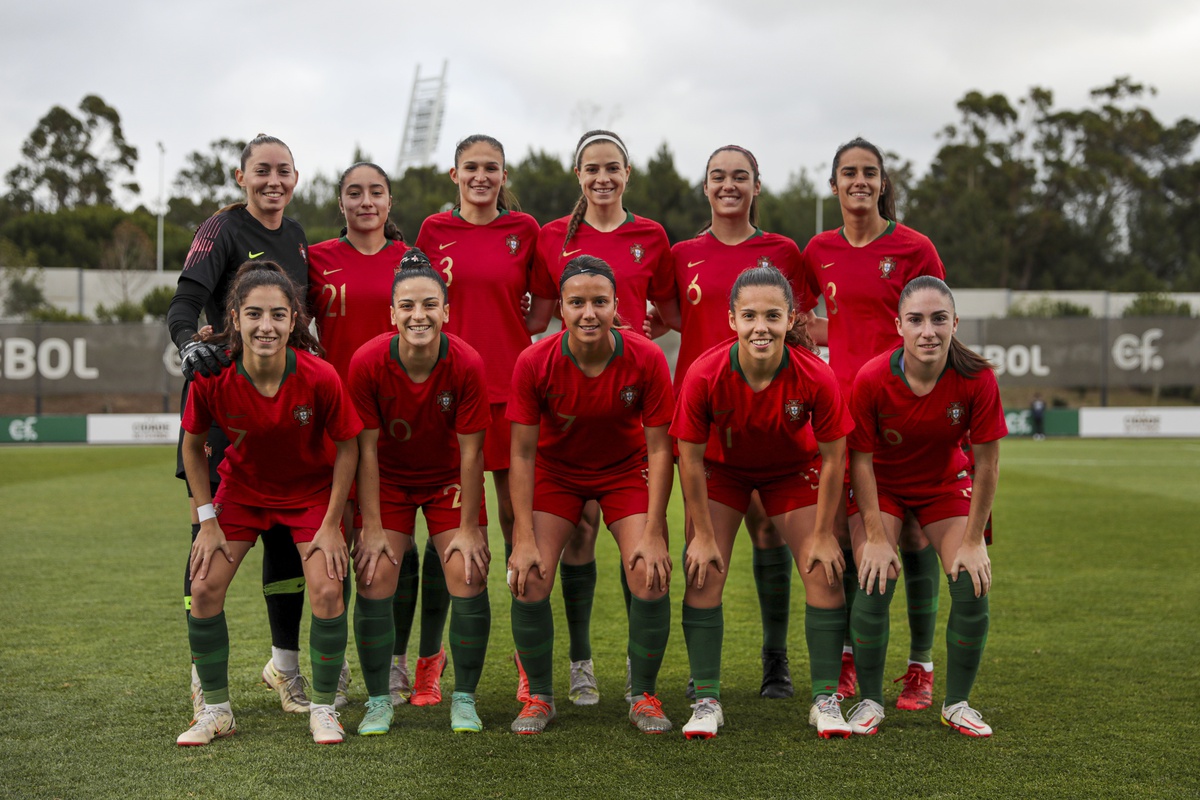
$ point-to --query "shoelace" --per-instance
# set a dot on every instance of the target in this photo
(649, 706)
(296, 686)
(911, 679)
(831, 702)
(535, 708)
(705, 708)
(378, 703)
(327, 718)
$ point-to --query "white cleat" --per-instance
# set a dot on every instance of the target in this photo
(292, 688)
(197, 695)
(865, 718)
(213, 722)
(399, 682)
(707, 717)
(323, 722)
(966, 720)
(826, 716)
(583, 690)
(342, 699)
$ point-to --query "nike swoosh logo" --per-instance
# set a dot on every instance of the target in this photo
(573, 252)
(695, 263)
(447, 244)
(328, 658)
(331, 271)
(722, 411)
(255, 255)
(827, 266)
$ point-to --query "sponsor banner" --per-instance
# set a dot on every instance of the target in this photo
(43, 429)
(132, 428)
(1139, 422)
(1057, 422)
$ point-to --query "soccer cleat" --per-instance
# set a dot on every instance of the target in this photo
(323, 722)
(212, 722)
(848, 680)
(427, 683)
(378, 719)
(865, 718)
(777, 678)
(707, 717)
(628, 680)
(342, 698)
(690, 691)
(647, 715)
(583, 690)
(197, 695)
(463, 716)
(292, 688)
(966, 720)
(826, 716)
(398, 683)
(535, 716)
(918, 689)
(522, 680)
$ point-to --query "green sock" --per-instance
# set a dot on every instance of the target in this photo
(849, 588)
(374, 633)
(869, 623)
(921, 577)
(649, 629)
(327, 651)
(404, 603)
(825, 629)
(578, 591)
(704, 632)
(435, 602)
(773, 579)
(625, 589)
(209, 641)
(533, 634)
(966, 635)
(470, 625)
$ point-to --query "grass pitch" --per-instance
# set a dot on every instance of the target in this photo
(1089, 677)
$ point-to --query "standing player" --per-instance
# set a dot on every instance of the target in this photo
(637, 251)
(742, 424)
(484, 249)
(422, 395)
(589, 411)
(254, 229)
(860, 269)
(705, 270)
(911, 408)
(349, 292)
(290, 462)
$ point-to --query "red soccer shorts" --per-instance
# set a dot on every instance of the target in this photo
(443, 511)
(245, 523)
(779, 493)
(620, 495)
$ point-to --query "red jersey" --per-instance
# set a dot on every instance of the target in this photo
(637, 251)
(764, 433)
(862, 288)
(915, 440)
(350, 295)
(281, 450)
(486, 268)
(705, 269)
(419, 423)
(591, 427)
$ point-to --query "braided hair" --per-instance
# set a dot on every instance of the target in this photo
(581, 205)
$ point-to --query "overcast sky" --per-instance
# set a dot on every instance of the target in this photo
(789, 80)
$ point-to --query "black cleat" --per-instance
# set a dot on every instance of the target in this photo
(777, 678)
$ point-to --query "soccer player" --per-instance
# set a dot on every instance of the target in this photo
(422, 396)
(253, 229)
(637, 251)
(589, 410)
(705, 270)
(292, 455)
(911, 406)
(742, 424)
(860, 269)
(483, 248)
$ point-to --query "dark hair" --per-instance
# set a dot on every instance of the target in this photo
(415, 264)
(390, 229)
(590, 265)
(580, 209)
(733, 148)
(252, 275)
(770, 276)
(887, 199)
(961, 359)
(505, 200)
(248, 151)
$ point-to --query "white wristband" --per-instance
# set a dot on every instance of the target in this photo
(205, 512)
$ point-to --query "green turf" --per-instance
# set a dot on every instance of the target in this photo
(1089, 679)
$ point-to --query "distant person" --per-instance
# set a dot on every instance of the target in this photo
(1037, 413)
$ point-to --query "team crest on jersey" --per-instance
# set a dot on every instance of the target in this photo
(955, 413)
(637, 251)
(628, 395)
(207, 449)
(794, 409)
(303, 253)
(513, 243)
(764, 261)
(444, 400)
(886, 267)
(303, 414)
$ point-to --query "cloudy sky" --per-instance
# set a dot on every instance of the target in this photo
(789, 80)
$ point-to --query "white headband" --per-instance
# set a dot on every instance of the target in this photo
(600, 137)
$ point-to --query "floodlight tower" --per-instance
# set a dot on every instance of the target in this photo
(424, 121)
